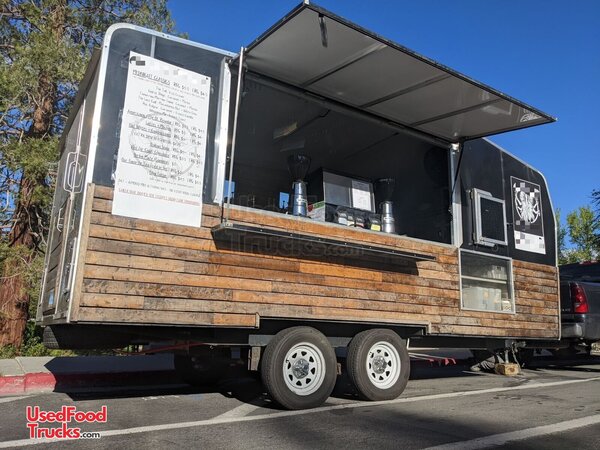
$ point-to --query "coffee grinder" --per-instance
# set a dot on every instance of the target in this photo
(298, 166)
(385, 190)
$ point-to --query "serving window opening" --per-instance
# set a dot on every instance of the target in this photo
(296, 154)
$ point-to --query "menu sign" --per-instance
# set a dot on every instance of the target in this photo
(162, 146)
(361, 195)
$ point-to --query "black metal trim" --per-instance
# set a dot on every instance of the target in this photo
(242, 235)
(502, 130)
(293, 13)
(450, 340)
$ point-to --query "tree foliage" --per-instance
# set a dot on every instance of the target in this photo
(596, 203)
(44, 48)
(561, 240)
(582, 229)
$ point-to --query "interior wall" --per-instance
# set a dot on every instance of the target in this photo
(421, 194)
(274, 124)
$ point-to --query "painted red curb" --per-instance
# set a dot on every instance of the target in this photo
(47, 382)
(36, 382)
(12, 385)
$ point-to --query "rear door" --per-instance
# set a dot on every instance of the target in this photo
(62, 234)
(68, 202)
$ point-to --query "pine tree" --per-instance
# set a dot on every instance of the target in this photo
(44, 46)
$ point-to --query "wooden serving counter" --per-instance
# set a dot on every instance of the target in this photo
(134, 271)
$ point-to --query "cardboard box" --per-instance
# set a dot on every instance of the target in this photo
(477, 297)
(316, 211)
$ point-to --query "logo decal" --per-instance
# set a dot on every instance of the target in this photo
(529, 116)
(527, 216)
(527, 204)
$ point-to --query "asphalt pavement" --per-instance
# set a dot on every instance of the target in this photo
(553, 405)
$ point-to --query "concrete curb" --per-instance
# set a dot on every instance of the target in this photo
(49, 382)
(64, 374)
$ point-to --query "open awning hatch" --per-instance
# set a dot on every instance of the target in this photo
(324, 54)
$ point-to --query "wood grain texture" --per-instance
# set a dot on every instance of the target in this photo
(139, 271)
(124, 315)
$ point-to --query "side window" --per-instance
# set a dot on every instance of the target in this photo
(489, 216)
(486, 283)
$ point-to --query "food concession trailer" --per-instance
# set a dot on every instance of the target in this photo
(324, 195)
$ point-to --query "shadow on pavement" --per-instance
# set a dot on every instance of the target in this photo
(578, 363)
(247, 388)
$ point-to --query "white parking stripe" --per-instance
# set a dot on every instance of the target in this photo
(504, 438)
(13, 399)
(276, 415)
(240, 411)
(339, 401)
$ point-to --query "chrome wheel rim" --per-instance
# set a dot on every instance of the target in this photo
(304, 369)
(383, 365)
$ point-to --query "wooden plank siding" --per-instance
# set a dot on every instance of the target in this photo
(139, 271)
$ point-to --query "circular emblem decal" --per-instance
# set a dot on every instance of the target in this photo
(527, 206)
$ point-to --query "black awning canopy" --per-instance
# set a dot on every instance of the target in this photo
(324, 54)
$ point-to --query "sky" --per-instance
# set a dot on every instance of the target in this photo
(543, 52)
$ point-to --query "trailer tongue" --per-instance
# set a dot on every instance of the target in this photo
(174, 219)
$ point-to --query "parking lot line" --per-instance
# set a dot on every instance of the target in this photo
(13, 399)
(282, 414)
(511, 436)
(240, 411)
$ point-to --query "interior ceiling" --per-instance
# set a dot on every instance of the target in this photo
(289, 124)
(322, 53)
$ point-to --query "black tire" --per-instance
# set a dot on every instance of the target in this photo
(369, 353)
(198, 371)
(525, 356)
(565, 353)
(304, 351)
(50, 340)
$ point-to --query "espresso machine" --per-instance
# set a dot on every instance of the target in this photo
(298, 166)
(385, 189)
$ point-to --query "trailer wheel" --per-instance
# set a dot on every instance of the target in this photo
(565, 352)
(525, 356)
(298, 368)
(378, 364)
